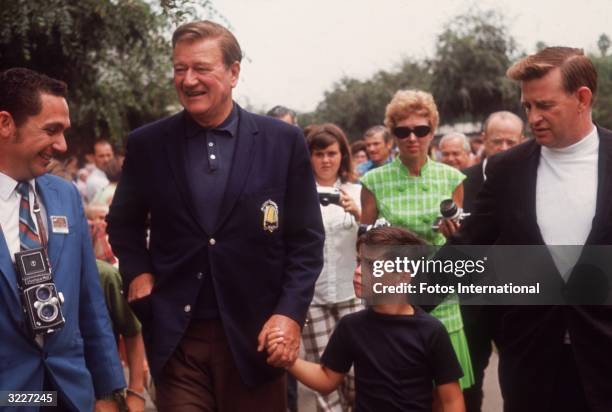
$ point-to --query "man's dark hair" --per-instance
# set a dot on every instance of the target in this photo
(577, 70)
(281, 111)
(20, 91)
(101, 142)
(206, 29)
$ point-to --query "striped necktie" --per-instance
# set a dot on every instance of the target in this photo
(28, 237)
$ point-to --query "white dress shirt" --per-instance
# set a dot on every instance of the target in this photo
(9, 212)
(335, 284)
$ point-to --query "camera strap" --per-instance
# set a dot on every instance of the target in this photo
(41, 228)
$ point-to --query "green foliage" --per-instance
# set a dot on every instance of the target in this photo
(467, 77)
(468, 70)
(602, 110)
(355, 105)
(603, 43)
(114, 56)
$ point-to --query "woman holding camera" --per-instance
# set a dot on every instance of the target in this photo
(334, 296)
(408, 191)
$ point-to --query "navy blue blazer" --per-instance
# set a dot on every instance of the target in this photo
(255, 272)
(82, 357)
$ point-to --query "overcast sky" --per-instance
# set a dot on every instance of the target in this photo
(297, 49)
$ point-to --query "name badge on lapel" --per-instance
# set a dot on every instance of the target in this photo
(59, 224)
(270, 215)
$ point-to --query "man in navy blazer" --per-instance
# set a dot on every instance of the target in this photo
(553, 190)
(236, 236)
(80, 361)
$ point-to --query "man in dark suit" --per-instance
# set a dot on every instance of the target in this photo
(79, 360)
(501, 131)
(553, 190)
(236, 237)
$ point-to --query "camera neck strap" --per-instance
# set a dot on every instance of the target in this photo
(41, 228)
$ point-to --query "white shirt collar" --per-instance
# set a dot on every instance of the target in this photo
(8, 186)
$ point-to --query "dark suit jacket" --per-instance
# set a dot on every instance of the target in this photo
(255, 273)
(471, 185)
(530, 339)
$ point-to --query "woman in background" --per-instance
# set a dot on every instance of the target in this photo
(334, 295)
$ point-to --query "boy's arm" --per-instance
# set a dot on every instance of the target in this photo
(315, 376)
(451, 397)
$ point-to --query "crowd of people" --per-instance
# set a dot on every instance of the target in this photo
(221, 241)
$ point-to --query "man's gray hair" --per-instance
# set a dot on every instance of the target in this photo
(465, 142)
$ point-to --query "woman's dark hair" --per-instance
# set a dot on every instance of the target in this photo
(324, 135)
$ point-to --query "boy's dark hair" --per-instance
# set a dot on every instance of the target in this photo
(20, 91)
(389, 236)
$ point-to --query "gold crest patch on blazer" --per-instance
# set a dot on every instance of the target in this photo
(270, 215)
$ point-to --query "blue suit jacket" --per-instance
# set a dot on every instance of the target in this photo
(82, 357)
(255, 272)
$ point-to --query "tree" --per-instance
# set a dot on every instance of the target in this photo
(603, 44)
(602, 109)
(356, 105)
(113, 54)
(468, 70)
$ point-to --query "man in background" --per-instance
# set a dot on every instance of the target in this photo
(455, 150)
(379, 144)
(97, 179)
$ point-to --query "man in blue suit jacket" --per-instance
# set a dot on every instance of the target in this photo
(236, 236)
(80, 360)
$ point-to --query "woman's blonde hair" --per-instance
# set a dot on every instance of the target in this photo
(407, 102)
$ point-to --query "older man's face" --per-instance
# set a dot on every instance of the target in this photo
(203, 83)
(553, 114)
(502, 134)
(454, 154)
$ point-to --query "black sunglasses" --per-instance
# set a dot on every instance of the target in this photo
(419, 131)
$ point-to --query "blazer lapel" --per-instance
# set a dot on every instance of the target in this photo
(8, 272)
(604, 185)
(241, 165)
(526, 178)
(175, 148)
(53, 207)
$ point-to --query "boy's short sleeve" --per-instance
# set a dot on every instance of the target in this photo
(338, 355)
(442, 358)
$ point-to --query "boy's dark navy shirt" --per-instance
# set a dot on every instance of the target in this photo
(397, 358)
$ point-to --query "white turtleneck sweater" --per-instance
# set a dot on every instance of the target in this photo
(566, 194)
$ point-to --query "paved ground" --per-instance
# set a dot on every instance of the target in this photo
(492, 400)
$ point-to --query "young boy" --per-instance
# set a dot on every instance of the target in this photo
(399, 351)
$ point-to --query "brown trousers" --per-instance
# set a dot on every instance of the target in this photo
(201, 376)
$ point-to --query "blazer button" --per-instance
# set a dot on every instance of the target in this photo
(212, 241)
(187, 308)
(199, 275)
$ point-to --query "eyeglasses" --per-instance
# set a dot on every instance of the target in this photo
(419, 131)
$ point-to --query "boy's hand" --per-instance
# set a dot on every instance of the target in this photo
(286, 352)
(274, 338)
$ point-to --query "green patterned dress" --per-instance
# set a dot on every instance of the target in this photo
(413, 202)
